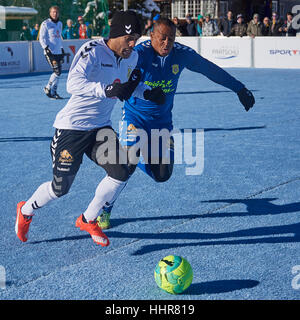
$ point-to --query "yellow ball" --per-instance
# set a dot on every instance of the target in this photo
(173, 274)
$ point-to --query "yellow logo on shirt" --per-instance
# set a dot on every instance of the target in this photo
(175, 68)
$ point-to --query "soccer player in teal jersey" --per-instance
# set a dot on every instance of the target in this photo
(161, 61)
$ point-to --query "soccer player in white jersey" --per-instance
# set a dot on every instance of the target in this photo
(51, 42)
(101, 71)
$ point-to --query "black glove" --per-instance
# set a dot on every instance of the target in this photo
(119, 90)
(134, 80)
(123, 91)
(155, 95)
(246, 97)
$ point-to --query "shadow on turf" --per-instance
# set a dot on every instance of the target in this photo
(271, 234)
(219, 286)
(222, 129)
(205, 92)
(23, 139)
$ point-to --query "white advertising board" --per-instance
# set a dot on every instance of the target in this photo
(227, 52)
(277, 52)
(14, 57)
(40, 63)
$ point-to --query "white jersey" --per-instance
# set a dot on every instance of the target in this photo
(50, 35)
(93, 68)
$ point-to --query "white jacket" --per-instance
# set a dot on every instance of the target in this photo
(50, 35)
(93, 68)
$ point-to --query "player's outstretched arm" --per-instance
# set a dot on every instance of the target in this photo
(197, 63)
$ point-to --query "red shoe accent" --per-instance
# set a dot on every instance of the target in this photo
(94, 230)
(22, 223)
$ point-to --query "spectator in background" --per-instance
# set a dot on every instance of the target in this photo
(3, 35)
(83, 30)
(199, 25)
(240, 28)
(25, 33)
(179, 28)
(254, 27)
(266, 27)
(148, 27)
(287, 28)
(226, 24)
(276, 26)
(35, 31)
(210, 27)
(69, 31)
(191, 29)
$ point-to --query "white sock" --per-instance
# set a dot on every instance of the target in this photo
(41, 197)
(53, 82)
(107, 192)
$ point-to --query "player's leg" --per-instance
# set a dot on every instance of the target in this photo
(66, 158)
(108, 154)
(51, 87)
(160, 157)
(127, 140)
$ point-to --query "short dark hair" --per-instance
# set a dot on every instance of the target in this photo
(165, 21)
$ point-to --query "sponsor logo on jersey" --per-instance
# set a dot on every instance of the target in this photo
(131, 128)
(65, 156)
(175, 68)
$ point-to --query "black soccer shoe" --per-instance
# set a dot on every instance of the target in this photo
(56, 96)
(48, 92)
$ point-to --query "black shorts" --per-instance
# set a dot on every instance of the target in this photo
(68, 147)
(55, 61)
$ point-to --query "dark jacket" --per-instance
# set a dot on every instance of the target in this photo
(291, 32)
(191, 29)
(266, 30)
(25, 35)
(238, 30)
(275, 29)
(225, 26)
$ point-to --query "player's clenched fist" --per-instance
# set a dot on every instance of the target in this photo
(246, 97)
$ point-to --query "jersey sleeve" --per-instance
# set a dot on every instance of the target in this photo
(78, 82)
(195, 62)
(142, 55)
(43, 35)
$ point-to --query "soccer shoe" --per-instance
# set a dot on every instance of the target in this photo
(94, 230)
(22, 223)
(48, 92)
(56, 96)
(104, 220)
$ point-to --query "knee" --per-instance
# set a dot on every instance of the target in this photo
(57, 71)
(161, 173)
(161, 178)
(61, 185)
(118, 172)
